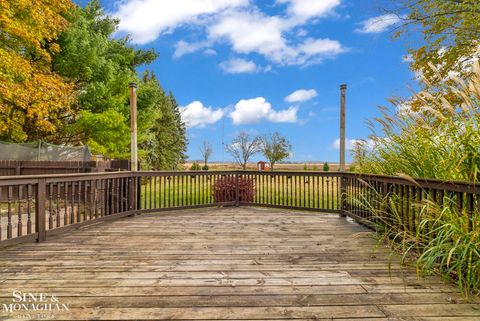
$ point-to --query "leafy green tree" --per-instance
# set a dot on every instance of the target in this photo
(451, 33)
(275, 148)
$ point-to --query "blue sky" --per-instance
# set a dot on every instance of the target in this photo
(265, 66)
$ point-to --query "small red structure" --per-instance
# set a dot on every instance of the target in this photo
(262, 166)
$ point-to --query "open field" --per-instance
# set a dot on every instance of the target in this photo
(309, 191)
(311, 166)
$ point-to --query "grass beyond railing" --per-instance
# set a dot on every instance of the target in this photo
(303, 190)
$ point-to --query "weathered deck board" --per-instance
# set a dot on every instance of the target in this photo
(226, 264)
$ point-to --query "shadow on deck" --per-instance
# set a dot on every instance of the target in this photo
(217, 264)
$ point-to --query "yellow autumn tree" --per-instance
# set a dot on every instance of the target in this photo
(33, 99)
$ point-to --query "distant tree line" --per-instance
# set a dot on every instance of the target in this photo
(64, 79)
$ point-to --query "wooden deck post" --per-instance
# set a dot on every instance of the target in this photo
(40, 215)
(133, 126)
(343, 89)
(343, 179)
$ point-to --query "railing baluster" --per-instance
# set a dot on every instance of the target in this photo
(199, 200)
(72, 195)
(65, 204)
(163, 192)
(57, 214)
(40, 217)
(29, 209)
(9, 212)
(188, 186)
(108, 195)
(322, 192)
(86, 204)
(50, 206)
(19, 210)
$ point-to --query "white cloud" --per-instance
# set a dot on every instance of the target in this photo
(210, 52)
(379, 24)
(240, 23)
(146, 20)
(238, 66)
(197, 115)
(251, 32)
(349, 143)
(283, 116)
(253, 111)
(310, 8)
(301, 95)
(183, 48)
(254, 32)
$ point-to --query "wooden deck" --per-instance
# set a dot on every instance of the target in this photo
(224, 264)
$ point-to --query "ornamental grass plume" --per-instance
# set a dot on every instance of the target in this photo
(432, 135)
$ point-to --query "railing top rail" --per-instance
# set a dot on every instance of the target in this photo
(240, 172)
(453, 185)
(461, 186)
(186, 173)
(31, 179)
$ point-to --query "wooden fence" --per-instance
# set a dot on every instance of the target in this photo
(35, 207)
(15, 168)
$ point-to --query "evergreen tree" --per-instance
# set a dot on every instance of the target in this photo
(101, 68)
(326, 167)
(165, 143)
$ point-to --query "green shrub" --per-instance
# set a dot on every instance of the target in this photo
(205, 168)
(195, 167)
(326, 167)
(305, 167)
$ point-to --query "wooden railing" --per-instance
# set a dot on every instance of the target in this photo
(15, 168)
(381, 199)
(35, 207)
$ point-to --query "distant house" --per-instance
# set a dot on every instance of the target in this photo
(263, 166)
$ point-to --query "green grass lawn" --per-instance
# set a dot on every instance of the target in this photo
(298, 191)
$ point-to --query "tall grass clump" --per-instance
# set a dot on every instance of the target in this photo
(445, 242)
(431, 135)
